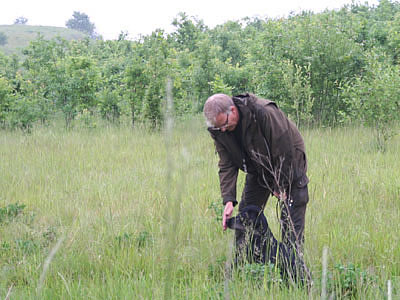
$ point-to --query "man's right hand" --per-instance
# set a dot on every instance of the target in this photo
(227, 214)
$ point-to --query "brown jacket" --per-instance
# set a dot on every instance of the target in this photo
(269, 140)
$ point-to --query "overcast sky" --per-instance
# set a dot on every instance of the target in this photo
(144, 16)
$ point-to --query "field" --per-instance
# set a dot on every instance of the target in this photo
(19, 36)
(116, 213)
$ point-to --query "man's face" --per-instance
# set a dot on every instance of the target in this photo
(227, 121)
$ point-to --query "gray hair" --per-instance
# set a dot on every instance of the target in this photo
(216, 104)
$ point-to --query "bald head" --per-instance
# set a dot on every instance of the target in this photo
(216, 104)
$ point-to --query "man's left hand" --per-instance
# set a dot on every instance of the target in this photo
(227, 214)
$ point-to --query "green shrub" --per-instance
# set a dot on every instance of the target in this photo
(374, 98)
(10, 212)
(349, 280)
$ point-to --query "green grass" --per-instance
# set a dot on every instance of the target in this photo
(19, 36)
(137, 222)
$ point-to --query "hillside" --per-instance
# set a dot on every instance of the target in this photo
(19, 36)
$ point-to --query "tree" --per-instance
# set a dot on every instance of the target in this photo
(20, 21)
(28, 106)
(296, 80)
(3, 39)
(394, 38)
(111, 97)
(77, 86)
(205, 67)
(156, 69)
(188, 30)
(44, 72)
(5, 99)
(136, 81)
(80, 21)
(231, 40)
(374, 98)
(219, 86)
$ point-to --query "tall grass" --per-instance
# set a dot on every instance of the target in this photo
(102, 195)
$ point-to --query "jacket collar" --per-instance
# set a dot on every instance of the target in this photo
(243, 103)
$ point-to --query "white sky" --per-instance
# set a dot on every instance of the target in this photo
(144, 16)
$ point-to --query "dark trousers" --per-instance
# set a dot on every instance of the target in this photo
(292, 221)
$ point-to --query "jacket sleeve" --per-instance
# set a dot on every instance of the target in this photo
(228, 173)
(275, 127)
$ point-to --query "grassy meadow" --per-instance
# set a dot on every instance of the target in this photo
(19, 36)
(116, 213)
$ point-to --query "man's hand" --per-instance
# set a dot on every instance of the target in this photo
(227, 214)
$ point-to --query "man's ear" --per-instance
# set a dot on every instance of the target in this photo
(235, 112)
(233, 109)
(235, 224)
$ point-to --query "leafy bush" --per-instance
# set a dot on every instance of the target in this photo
(348, 280)
(303, 62)
(297, 83)
(86, 118)
(22, 115)
(374, 98)
(144, 238)
(10, 212)
(26, 246)
(216, 269)
(110, 105)
(218, 209)
(6, 99)
(124, 239)
(266, 274)
(218, 86)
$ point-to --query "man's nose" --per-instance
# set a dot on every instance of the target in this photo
(223, 129)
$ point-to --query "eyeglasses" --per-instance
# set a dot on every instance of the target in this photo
(223, 126)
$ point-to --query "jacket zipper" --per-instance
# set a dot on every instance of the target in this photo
(244, 165)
